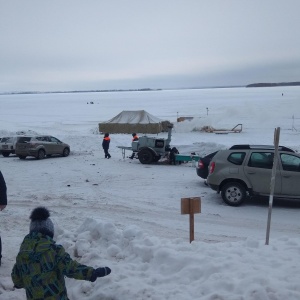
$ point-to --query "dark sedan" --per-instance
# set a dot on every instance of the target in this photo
(202, 165)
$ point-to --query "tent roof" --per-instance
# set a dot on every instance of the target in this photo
(134, 117)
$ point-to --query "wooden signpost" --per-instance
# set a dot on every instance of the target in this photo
(191, 206)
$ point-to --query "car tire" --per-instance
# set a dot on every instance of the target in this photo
(233, 193)
(21, 156)
(145, 156)
(5, 154)
(41, 154)
(66, 152)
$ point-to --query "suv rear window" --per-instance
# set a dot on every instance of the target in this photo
(262, 160)
(43, 139)
(24, 139)
(236, 158)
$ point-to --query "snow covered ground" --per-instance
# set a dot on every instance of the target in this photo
(125, 215)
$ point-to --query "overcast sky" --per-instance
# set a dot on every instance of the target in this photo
(130, 44)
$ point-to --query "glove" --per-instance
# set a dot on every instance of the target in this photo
(100, 272)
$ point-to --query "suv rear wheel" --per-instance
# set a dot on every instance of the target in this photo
(41, 154)
(233, 193)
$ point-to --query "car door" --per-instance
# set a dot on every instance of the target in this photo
(56, 146)
(258, 170)
(290, 173)
(43, 143)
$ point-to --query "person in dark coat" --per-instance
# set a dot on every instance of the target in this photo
(105, 145)
(172, 156)
(41, 264)
(3, 203)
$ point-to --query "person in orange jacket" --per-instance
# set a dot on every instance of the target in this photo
(105, 145)
(134, 138)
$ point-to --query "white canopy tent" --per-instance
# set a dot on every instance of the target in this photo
(132, 121)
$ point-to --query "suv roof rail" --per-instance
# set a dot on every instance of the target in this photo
(268, 147)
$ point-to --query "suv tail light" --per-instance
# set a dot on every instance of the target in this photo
(212, 167)
(200, 164)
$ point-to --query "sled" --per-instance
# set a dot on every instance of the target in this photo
(186, 157)
(236, 129)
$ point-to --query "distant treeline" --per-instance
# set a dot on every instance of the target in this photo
(273, 84)
(87, 91)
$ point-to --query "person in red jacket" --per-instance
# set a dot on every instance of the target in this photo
(3, 203)
(105, 145)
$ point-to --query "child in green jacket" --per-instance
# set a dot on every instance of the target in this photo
(41, 264)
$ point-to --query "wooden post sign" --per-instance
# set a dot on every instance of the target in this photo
(191, 206)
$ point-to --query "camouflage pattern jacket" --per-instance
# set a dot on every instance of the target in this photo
(40, 268)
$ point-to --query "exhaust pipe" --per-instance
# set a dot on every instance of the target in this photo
(169, 133)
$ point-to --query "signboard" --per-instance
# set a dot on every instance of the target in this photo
(191, 206)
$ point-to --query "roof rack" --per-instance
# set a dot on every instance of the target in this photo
(261, 147)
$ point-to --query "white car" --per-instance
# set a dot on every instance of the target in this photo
(8, 145)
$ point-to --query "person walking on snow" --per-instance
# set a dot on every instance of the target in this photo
(3, 203)
(105, 145)
(41, 264)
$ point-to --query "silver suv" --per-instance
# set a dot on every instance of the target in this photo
(246, 170)
(40, 146)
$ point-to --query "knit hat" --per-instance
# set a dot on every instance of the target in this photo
(40, 222)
